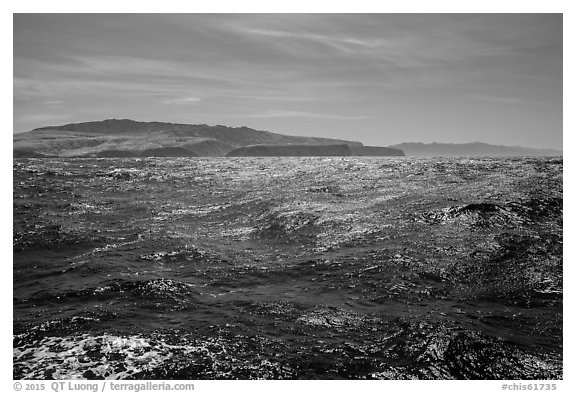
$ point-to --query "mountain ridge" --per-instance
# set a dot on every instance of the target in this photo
(471, 149)
(130, 137)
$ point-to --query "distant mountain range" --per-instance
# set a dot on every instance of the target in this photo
(129, 138)
(475, 149)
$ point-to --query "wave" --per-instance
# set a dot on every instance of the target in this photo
(397, 350)
(484, 214)
(53, 237)
(154, 293)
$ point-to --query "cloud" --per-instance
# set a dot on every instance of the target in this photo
(182, 101)
(263, 97)
(342, 44)
(127, 69)
(42, 117)
(504, 100)
(275, 114)
(30, 89)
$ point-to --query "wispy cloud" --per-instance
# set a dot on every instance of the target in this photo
(287, 98)
(43, 117)
(27, 89)
(125, 69)
(302, 114)
(504, 100)
(340, 43)
(182, 101)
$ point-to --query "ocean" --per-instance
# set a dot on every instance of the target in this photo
(288, 268)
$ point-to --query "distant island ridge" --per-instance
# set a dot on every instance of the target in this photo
(129, 138)
(474, 149)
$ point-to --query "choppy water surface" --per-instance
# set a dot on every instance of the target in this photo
(314, 268)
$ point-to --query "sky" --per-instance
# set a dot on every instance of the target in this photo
(380, 79)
